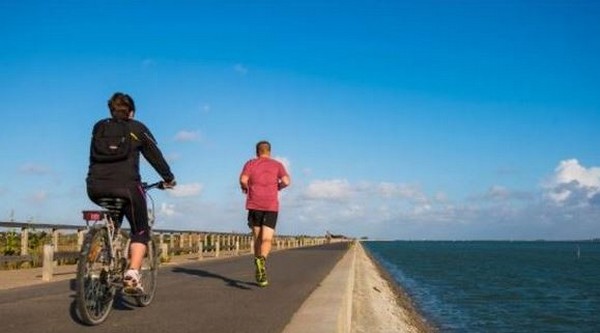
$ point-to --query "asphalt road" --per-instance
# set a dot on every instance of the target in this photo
(210, 296)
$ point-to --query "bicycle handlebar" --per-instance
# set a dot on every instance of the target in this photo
(160, 185)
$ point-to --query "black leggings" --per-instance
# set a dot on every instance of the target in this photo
(135, 208)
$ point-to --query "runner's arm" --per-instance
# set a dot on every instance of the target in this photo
(283, 182)
(244, 183)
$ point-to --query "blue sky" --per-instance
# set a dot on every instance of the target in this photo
(396, 119)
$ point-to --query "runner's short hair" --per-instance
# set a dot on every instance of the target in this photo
(263, 147)
(120, 105)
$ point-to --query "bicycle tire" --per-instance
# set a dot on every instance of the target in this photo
(95, 292)
(149, 274)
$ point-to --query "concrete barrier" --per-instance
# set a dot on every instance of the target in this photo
(327, 310)
(48, 263)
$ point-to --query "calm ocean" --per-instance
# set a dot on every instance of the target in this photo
(499, 286)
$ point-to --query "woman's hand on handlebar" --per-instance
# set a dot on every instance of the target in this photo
(167, 185)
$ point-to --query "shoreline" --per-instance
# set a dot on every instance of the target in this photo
(380, 304)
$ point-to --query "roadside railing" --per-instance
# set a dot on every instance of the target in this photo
(61, 243)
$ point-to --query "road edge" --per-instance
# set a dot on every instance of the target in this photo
(328, 309)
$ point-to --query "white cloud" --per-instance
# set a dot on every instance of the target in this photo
(393, 190)
(167, 209)
(364, 196)
(499, 193)
(441, 197)
(573, 182)
(184, 136)
(570, 170)
(362, 208)
(336, 189)
(186, 190)
(388, 210)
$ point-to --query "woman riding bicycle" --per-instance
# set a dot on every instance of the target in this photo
(116, 174)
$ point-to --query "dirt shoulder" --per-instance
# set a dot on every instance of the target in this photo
(379, 304)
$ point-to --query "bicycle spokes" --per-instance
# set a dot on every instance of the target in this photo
(95, 290)
(97, 295)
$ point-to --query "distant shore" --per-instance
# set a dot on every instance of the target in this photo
(380, 304)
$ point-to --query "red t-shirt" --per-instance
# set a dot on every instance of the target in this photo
(263, 177)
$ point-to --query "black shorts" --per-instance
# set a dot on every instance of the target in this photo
(258, 218)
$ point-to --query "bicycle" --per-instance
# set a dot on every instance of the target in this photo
(104, 259)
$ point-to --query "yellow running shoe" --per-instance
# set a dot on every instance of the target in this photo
(261, 271)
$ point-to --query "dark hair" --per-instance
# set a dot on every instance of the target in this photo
(120, 105)
(263, 147)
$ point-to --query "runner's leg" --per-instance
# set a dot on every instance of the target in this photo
(266, 238)
(256, 232)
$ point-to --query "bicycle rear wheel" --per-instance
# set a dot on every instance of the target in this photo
(149, 273)
(95, 292)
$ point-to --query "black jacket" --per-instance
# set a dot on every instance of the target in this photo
(128, 171)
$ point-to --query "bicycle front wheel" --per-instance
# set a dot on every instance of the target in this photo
(95, 292)
(149, 273)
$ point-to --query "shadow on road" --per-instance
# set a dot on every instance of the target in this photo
(205, 274)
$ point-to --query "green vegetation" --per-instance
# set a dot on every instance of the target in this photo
(10, 242)
(10, 245)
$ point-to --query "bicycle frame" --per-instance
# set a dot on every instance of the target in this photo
(104, 220)
(104, 257)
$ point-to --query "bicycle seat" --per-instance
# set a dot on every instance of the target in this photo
(114, 206)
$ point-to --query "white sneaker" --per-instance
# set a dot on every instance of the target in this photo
(131, 283)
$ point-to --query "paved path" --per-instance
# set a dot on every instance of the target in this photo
(204, 296)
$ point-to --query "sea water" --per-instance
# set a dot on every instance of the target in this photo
(498, 286)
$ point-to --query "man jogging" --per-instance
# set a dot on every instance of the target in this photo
(261, 179)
